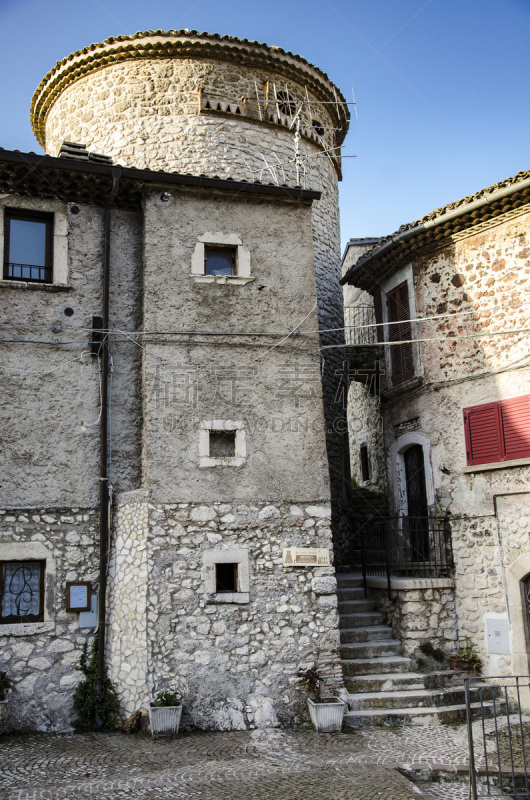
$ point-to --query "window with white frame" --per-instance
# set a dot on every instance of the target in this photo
(221, 258)
(222, 443)
(227, 576)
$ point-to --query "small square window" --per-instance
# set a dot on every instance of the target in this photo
(225, 578)
(219, 260)
(22, 591)
(222, 444)
(28, 246)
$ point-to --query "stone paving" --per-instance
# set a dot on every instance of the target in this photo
(268, 764)
(248, 765)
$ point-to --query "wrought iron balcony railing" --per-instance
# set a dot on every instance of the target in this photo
(415, 547)
(358, 321)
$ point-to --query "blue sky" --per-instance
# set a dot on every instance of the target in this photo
(441, 85)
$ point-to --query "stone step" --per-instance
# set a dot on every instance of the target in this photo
(350, 593)
(372, 649)
(349, 580)
(383, 682)
(364, 666)
(366, 633)
(355, 606)
(361, 620)
(433, 715)
(411, 698)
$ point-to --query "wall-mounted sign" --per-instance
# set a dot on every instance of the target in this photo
(78, 595)
(89, 619)
(305, 557)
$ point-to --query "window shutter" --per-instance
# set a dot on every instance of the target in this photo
(401, 356)
(394, 336)
(406, 331)
(483, 435)
(515, 426)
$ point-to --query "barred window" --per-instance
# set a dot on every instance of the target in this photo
(22, 591)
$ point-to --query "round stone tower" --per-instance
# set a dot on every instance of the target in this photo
(181, 101)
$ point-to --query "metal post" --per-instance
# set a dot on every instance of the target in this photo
(472, 772)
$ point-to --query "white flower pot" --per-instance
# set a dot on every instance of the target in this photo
(327, 714)
(164, 720)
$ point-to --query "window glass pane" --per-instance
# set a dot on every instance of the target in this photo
(21, 588)
(27, 242)
(219, 261)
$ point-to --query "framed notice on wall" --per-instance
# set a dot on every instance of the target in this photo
(78, 595)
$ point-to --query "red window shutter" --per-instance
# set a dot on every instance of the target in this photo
(483, 435)
(401, 356)
(515, 426)
(498, 431)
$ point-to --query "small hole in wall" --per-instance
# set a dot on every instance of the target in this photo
(74, 209)
(68, 311)
(222, 444)
(226, 578)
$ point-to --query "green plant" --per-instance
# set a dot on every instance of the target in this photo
(468, 656)
(5, 685)
(96, 708)
(167, 698)
(427, 649)
(311, 680)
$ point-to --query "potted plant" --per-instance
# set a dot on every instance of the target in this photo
(165, 713)
(466, 657)
(326, 712)
(5, 685)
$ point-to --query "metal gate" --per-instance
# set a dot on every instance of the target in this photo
(498, 733)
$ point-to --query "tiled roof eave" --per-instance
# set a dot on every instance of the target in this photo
(87, 182)
(438, 229)
(182, 44)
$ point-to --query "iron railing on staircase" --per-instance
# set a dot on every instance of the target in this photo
(416, 547)
(498, 737)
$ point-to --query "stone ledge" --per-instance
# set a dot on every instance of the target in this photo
(410, 584)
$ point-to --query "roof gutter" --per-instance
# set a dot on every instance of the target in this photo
(433, 223)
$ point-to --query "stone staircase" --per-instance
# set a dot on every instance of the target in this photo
(383, 688)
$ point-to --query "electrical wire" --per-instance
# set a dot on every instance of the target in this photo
(431, 339)
(449, 315)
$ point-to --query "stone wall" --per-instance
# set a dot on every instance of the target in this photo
(41, 658)
(235, 662)
(420, 611)
(146, 113)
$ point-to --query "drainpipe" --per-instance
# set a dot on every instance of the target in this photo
(103, 473)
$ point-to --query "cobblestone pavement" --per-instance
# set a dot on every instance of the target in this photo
(273, 765)
(245, 765)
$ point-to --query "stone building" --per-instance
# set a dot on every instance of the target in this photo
(164, 427)
(444, 444)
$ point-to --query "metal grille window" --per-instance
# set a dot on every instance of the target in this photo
(22, 591)
(28, 246)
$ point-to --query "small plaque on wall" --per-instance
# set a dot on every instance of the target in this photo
(305, 557)
(78, 595)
